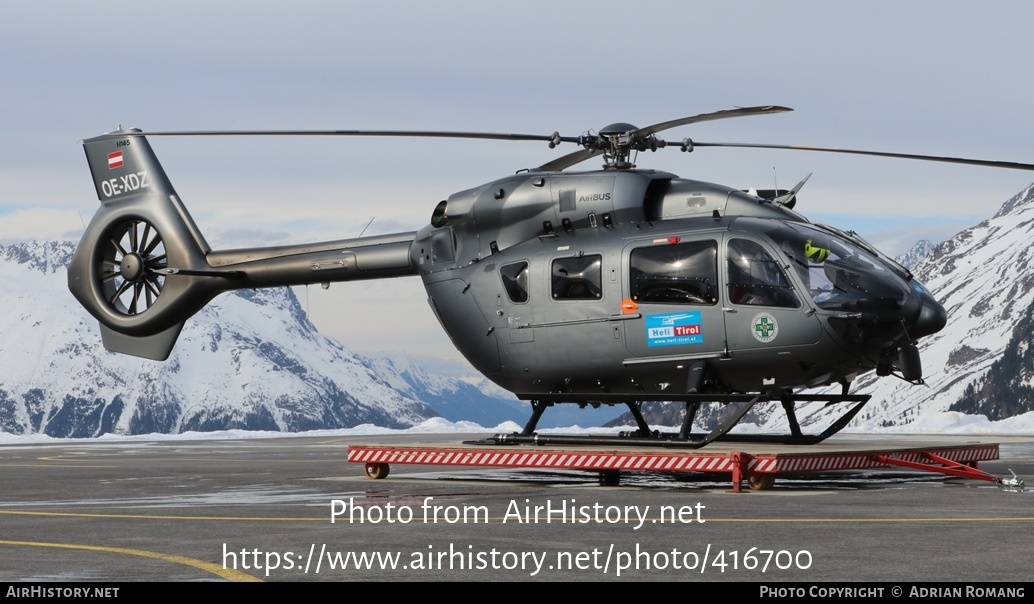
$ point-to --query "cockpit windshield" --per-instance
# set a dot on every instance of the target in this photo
(854, 237)
(838, 272)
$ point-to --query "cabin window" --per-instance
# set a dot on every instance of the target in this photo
(680, 273)
(755, 278)
(515, 281)
(578, 278)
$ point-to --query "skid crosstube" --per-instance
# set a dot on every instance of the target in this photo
(685, 439)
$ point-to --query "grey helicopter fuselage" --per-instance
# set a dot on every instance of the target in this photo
(617, 281)
(613, 286)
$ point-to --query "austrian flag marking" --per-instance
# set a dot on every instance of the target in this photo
(114, 160)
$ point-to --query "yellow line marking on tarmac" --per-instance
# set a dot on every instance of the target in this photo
(158, 516)
(500, 520)
(163, 458)
(38, 466)
(71, 457)
(215, 569)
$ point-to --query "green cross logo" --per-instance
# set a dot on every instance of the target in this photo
(764, 327)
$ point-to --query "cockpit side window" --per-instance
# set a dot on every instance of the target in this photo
(515, 281)
(578, 278)
(755, 278)
(681, 273)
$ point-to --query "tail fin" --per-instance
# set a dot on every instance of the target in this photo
(119, 271)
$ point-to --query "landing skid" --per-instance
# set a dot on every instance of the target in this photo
(685, 439)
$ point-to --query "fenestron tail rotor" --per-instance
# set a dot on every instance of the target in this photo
(130, 259)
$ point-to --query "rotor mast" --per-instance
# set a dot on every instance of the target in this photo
(617, 142)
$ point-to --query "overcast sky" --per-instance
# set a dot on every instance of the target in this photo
(944, 78)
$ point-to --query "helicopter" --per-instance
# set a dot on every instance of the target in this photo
(618, 285)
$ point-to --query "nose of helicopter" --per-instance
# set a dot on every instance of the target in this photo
(932, 316)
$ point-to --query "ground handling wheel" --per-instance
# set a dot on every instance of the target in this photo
(760, 482)
(376, 471)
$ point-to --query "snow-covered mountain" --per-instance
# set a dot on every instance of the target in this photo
(1005, 390)
(250, 360)
(916, 254)
(454, 399)
(458, 393)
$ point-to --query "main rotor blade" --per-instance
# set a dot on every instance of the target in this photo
(396, 133)
(716, 115)
(951, 160)
(566, 161)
